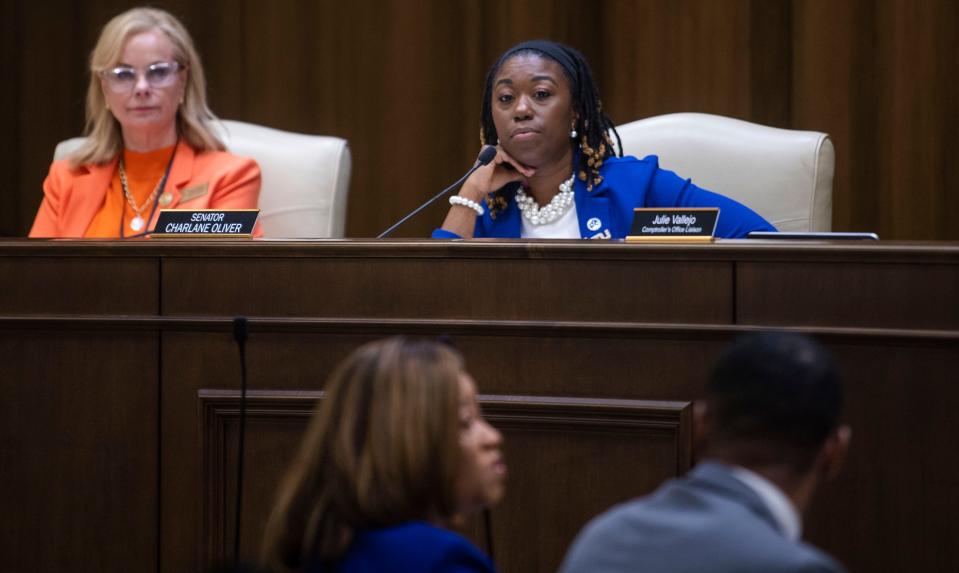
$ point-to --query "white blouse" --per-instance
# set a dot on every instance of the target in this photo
(566, 227)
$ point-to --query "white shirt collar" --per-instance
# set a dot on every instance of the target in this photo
(780, 506)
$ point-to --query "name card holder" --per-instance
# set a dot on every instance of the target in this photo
(679, 225)
(208, 223)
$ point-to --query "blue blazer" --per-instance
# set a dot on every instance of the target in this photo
(706, 521)
(606, 212)
(412, 547)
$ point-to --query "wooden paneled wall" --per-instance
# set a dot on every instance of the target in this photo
(118, 417)
(402, 81)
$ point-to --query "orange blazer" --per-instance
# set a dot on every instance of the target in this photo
(206, 180)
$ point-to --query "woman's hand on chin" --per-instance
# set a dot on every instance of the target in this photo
(502, 170)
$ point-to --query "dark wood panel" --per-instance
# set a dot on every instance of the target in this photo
(55, 285)
(899, 487)
(646, 441)
(722, 250)
(914, 140)
(10, 215)
(192, 361)
(827, 95)
(51, 87)
(275, 424)
(770, 64)
(78, 451)
(849, 295)
(611, 290)
(650, 364)
(666, 56)
(877, 76)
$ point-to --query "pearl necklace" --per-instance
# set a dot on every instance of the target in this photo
(552, 211)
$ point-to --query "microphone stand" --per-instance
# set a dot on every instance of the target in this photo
(485, 156)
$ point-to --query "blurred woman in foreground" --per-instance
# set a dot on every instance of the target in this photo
(397, 452)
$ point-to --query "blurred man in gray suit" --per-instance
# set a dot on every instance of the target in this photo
(770, 431)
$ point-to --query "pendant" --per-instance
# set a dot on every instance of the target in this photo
(136, 224)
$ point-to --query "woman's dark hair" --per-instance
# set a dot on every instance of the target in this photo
(592, 123)
(382, 448)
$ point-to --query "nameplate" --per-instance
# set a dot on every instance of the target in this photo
(217, 223)
(669, 225)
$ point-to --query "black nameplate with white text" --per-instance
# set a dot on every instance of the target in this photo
(205, 223)
(667, 225)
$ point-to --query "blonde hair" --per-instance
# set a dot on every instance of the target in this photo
(194, 118)
(382, 448)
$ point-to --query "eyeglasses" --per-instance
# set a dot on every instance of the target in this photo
(159, 75)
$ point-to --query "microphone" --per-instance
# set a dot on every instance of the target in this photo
(485, 156)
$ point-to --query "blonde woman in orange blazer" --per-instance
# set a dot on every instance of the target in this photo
(149, 142)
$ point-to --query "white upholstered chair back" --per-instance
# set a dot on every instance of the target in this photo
(306, 178)
(784, 175)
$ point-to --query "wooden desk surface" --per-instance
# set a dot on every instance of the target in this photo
(119, 377)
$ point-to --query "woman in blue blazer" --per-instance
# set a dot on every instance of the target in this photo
(396, 454)
(556, 173)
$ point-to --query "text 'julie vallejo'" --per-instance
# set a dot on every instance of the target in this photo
(677, 223)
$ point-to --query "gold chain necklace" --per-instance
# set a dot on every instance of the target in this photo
(137, 223)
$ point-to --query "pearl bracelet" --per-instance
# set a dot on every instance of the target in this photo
(463, 201)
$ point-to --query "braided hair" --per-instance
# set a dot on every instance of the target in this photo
(592, 123)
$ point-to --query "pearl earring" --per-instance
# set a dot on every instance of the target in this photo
(573, 134)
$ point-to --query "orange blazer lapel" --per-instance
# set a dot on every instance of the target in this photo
(88, 193)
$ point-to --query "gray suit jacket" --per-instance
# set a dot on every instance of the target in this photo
(708, 521)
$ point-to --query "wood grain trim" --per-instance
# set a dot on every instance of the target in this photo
(216, 409)
(456, 327)
(556, 414)
(916, 253)
(595, 415)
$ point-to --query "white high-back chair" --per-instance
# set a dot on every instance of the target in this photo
(784, 175)
(305, 178)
